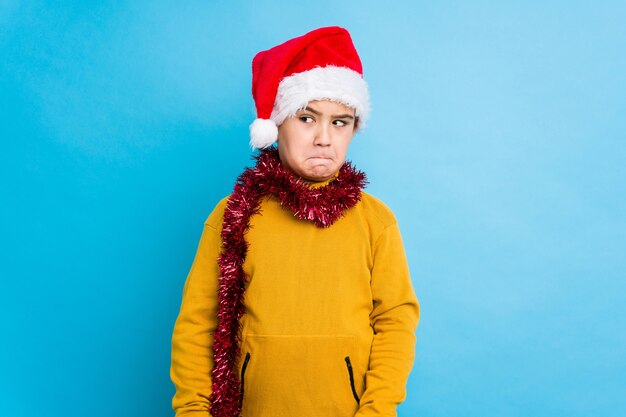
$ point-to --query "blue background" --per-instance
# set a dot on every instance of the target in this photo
(497, 137)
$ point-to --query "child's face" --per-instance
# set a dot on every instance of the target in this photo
(314, 143)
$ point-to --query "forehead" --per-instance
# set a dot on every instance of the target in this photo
(330, 106)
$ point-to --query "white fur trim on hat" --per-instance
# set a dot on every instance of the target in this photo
(263, 133)
(334, 83)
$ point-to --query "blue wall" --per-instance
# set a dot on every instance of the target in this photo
(497, 137)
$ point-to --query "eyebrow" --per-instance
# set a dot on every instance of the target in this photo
(336, 116)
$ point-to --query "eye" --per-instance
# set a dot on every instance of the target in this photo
(306, 119)
(340, 123)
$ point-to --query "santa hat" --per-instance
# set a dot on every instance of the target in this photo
(322, 64)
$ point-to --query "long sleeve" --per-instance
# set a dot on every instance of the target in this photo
(192, 337)
(394, 317)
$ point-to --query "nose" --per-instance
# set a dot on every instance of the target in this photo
(322, 135)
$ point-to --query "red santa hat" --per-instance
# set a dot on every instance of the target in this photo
(322, 64)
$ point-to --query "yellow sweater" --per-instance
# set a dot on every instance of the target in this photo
(329, 329)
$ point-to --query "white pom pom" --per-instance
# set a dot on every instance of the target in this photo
(263, 132)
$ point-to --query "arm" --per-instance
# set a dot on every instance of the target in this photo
(192, 354)
(394, 318)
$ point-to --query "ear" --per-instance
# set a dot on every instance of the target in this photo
(356, 123)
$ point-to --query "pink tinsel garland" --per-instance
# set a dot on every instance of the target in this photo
(321, 206)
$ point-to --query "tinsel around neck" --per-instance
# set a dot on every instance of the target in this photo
(322, 206)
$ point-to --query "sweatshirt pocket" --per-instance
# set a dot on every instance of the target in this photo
(303, 376)
(243, 371)
(351, 376)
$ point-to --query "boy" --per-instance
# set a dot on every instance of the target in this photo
(299, 301)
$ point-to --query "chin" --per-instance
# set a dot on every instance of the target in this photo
(320, 171)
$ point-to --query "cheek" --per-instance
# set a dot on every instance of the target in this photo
(293, 133)
(292, 145)
(346, 138)
(300, 141)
